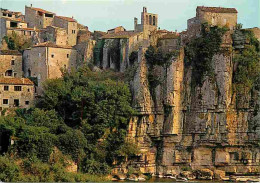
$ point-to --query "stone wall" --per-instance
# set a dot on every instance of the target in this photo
(48, 63)
(25, 96)
(11, 62)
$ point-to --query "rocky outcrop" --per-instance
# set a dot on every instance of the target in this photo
(198, 126)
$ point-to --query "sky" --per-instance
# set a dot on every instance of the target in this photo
(106, 14)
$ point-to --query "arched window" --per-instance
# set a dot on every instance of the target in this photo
(147, 20)
(153, 20)
(150, 19)
(9, 73)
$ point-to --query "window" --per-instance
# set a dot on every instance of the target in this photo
(16, 102)
(39, 54)
(12, 62)
(29, 72)
(5, 101)
(6, 88)
(52, 55)
(27, 102)
(17, 88)
(68, 55)
(28, 90)
(234, 156)
(8, 73)
(15, 74)
(153, 20)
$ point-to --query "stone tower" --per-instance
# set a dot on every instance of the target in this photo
(149, 22)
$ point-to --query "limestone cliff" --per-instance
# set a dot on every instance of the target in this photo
(203, 126)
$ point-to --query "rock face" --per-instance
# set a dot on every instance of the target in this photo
(201, 127)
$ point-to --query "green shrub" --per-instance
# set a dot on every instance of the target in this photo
(9, 171)
(200, 51)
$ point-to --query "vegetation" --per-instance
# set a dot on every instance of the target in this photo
(200, 51)
(83, 115)
(247, 62)
(17, 42)
(156, 57)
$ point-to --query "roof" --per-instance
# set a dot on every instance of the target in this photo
(125, 34)
(8, 11)
(28, 29)
(169, 36)
(16, 81)
(10, 52)
(41, 10)
(14, 19)
(66, 18)
(116, 28)
(53, 45)
(217, 9)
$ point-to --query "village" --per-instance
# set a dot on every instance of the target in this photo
(187, 124)
(58, 42)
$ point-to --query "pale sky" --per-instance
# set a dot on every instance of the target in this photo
(106, 14)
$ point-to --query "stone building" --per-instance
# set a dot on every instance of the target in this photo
(215, 16)
(47, 61)
(16, 92)
(10, 64)
(169, 42)
(118, 47)
(37, 17)
(70, 25)
(10, 14)
(116, 30)
(9, 24)
(54, 34)
(149, 22)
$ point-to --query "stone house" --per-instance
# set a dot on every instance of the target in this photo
(70, 25)
(16, 92)
(10, 64)
(37, 17)
(118, 47)
(54, 34)
(215, 16)
(169, 42)
(10, 14)
(47, 61)
(116, 30)
(9, 24)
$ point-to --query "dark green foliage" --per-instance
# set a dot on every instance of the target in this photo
(35, 141)
(247, 67)
(73, 142)
(200, 51)
(98, 52)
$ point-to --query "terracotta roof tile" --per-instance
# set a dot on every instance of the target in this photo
(69, 19)
(50, 44)
(42, 10)
(125, 34)
(16, 81)
(14, 19)
(217, 9)
(10, 52)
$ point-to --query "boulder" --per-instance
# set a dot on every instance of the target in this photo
(141, 177)
(219, 174)
(204, 174)
(119, 176)
(188, 175)
(132, 177)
